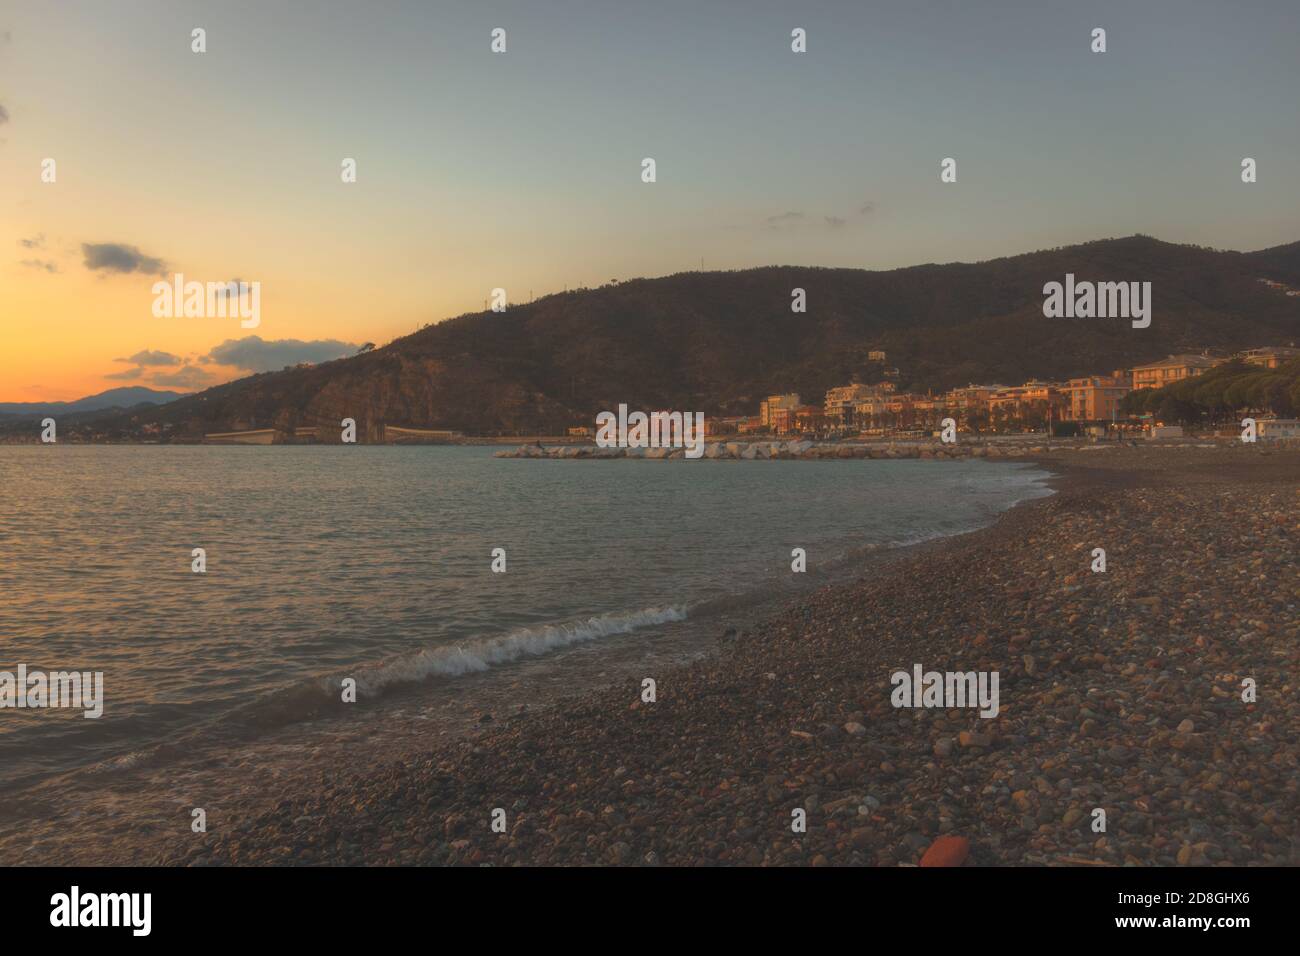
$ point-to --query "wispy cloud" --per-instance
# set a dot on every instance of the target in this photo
(784, 219)
(43, 264)
(119, 257)
(797, 221)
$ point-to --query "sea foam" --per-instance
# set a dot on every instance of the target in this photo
(481, 654)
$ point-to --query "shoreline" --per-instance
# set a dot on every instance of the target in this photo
(708, 773)
(1104, 706)
(133, 792)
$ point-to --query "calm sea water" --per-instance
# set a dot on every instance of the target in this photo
(375, 563)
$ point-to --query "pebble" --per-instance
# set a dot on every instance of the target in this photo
(1125, 710)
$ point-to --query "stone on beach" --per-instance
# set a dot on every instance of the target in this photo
(947, 851)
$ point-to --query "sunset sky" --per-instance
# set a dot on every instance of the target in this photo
(522, 170)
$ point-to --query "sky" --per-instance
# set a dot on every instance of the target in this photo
(522, 170)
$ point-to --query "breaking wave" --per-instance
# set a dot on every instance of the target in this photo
(479, 655)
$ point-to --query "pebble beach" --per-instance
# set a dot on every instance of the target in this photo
(1120, 690)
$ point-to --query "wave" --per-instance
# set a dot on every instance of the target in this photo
(323, 695)
(479, 655)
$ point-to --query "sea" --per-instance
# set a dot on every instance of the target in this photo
(445, 585)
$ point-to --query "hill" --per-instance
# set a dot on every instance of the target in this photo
(128, 397)
(718, 342)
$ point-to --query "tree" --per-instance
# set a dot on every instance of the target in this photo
(1277, 397)
(1177, 411)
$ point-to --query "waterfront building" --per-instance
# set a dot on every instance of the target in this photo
(775, 403)
(1096, 398)
(1173, 369)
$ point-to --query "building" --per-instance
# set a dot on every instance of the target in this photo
(781, 420)
(741, 425)
(1270, 357)
(1096, 398)
(1275, 428)
(972, 398)
(1020, 398)
(928, 411)
(1173, 369)
(902, 406)
(868, 410)
(732, 425)
(841, 400)
(774, 403)
(810, 420)
(797, 421)
(875, 355)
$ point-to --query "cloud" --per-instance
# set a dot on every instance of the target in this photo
(4, 114)
(147, 357)
(784, 218)
(119, 257)
(39, 264)
(189, 376)
(36, 242)
(255, 354)
(802, 222)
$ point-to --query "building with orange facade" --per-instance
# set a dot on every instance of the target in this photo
(840, 401)
(775, 403)
(1173, 369)
(1096, 398)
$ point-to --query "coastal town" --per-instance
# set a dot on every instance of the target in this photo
(1088, 405)
(1095, 406)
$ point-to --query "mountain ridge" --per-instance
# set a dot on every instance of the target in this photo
(718, 342)
(128, 396)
